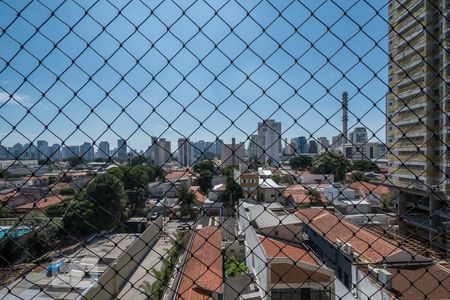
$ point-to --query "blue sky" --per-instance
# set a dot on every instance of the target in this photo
(229, 63)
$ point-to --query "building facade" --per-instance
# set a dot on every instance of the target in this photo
(417, 110)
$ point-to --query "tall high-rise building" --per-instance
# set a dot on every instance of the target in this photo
(161, 152)
(121, 149)
(87, 151)
(232, 154)
(322, 144)
(198, 149)
(269, 132)
(185, 152)
(357, 147)
(417, 108)
(55, 152)
(255, 147)
(103, 150)
(42, 147)
(312, 147)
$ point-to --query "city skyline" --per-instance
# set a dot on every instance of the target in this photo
(309, 89)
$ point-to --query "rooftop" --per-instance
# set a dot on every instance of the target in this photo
(277, 248)
(271, 215)
(415, 283)
(369, 187)
(370, 247)
(203, 271)
(40, 204)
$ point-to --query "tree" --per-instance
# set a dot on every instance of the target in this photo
(364, 166)
(45, 234)
(314, 195)
(232, 193)
(73, 161)
(280, 179)
(187, 198)
(331, 163)
(146, 288)
(229, 171)
(100, 207)
(138, 160)
(234, 267)
(205, 165)
(359, 176)
(204, 180)
(300, 162)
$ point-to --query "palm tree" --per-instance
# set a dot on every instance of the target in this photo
(146, 288)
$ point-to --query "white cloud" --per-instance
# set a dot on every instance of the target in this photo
(14, 98)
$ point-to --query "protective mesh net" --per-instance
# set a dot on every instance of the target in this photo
(224, 149)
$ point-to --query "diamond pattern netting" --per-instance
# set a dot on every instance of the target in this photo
(161, 216)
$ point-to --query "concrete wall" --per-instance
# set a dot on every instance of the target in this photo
(289, 232)
(331, 256)
(255, 255)
(366, 288)
(114, 277)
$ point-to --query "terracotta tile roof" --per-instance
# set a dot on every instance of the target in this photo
(177, 175)
(299, 195)
(370, 246)
(40, 204)
(199, 195)
(367, 187)
(276, 248)
(203, 270)
(431, 282)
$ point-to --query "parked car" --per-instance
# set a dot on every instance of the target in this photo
(154, 216)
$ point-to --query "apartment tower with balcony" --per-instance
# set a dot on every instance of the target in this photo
(417, 116)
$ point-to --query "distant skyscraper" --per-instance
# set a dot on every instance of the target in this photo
(198, 149)
(232, 154)
(87, 151)
(55, 152)
(103, 150)
(161, 152)
(255, 150)
(358, 135)
(269, 132)
(42, 147)
(121, 149)
(322, 144)
(185, 152)
(312, 146)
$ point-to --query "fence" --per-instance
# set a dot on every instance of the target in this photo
(224, 149)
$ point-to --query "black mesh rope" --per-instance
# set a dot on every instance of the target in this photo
(224, 150)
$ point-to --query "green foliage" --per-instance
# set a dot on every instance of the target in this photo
(364, 166)
(100, 207)
(386, 201)
(57, 210)
(205, 165)
(73, 161)
(359, 176)
(300, 162)
(187, 198)
(138, 160)
(5, 212)
(254, 163)
(283, 179)
(45, 161)
(233, 267)
(53, 180)
(204, 180)
(67, 191)
(7, 174)
(331, 163)
(232, 193)
(314, 196)
(66, 178)
(163, 276)
(229, 171)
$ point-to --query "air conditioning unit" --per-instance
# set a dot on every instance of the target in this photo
(385, 277)
(339, 243)
(373, 271)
